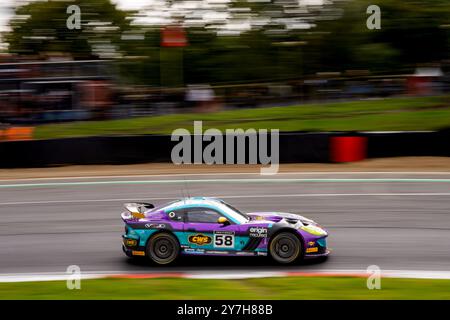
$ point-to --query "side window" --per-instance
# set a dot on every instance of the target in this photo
(176, 215)
(202, 215)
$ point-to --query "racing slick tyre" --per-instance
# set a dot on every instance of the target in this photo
(163, 248)
(285, 248)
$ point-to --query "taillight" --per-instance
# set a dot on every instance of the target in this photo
(130, 242)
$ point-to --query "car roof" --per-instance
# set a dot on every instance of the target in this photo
(201, 201)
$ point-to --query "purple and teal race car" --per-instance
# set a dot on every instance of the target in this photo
(210, 226)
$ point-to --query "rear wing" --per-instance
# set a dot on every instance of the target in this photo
(137, 210)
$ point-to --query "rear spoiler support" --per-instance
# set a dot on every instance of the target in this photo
(138, 209)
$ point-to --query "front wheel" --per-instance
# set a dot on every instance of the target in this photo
(163, 248)
(285, 248)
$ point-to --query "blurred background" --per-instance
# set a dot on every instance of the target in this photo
(93, 99)
(155, 57)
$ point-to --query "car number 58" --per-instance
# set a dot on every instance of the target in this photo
(224, 240)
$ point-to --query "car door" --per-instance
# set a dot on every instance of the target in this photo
(203, 232)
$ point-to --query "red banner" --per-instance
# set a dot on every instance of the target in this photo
(173, 36)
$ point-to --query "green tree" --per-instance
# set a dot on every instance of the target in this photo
(40, 27)
(411, 33)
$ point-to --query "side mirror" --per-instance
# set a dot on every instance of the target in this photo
(223, 220)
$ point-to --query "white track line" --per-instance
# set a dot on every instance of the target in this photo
(235, 275)
(229, 174)
(43, 277)
(230, 180)
(303, 195)
(407, 274)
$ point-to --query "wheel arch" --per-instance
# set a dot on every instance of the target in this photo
(290, 230)
(163, 231)
(154, 257)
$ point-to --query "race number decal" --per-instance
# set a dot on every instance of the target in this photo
(224, 239)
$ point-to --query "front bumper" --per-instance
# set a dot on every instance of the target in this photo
(318, 255)
(316, 247)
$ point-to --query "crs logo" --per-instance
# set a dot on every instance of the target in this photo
(199, 239)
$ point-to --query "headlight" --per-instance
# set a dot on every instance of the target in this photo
(314, 230)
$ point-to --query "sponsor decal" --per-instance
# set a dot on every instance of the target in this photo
(245, 253)
(258, 232)
(189, 250)
(199, 239)
(216, 252)
(224, 232)
(138, 253)
(311, 250)
(155, 225)
(130, 242)
(224, 239)
(261, 253)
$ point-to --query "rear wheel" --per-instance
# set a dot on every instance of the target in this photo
(163, 248)
(285, 248)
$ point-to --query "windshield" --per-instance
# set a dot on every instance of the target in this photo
(240, 216)
(233, 213)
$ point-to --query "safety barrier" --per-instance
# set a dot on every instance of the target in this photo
(295, 147)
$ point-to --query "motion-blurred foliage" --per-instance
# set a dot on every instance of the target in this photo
(40, 27)
(336, 39)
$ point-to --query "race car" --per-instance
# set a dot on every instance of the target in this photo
(210, 226)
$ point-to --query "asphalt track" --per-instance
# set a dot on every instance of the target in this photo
(398, 221)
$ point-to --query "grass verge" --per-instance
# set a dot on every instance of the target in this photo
(265, 288)
(424, 113)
